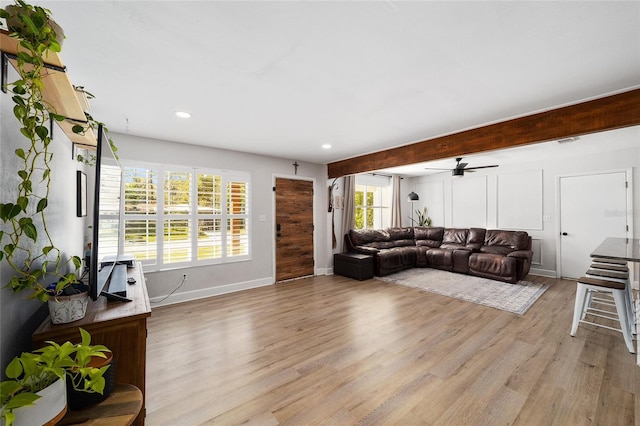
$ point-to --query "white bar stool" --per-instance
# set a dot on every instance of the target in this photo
(582, 309)
(620, 267)
(610, 261)
(622, 277)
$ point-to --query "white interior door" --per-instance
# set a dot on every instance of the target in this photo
(592, 207)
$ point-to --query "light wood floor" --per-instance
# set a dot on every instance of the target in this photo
(330, 350)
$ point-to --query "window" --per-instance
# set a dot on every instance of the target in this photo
(372, 200)
(203, 216)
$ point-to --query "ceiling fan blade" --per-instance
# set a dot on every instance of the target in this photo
(481, 167)
(431, 168)
(461, 165)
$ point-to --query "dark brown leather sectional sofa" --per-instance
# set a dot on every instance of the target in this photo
(495, 254)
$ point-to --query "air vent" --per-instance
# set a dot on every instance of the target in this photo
(567, 140)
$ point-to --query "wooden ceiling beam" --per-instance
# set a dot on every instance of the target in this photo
(608, 113)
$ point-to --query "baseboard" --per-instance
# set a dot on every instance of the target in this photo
(543, 272)
(209, 292)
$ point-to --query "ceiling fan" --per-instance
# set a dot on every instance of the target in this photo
(462, 167)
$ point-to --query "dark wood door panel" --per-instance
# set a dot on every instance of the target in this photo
(294, 228)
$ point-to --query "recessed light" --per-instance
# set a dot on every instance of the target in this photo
(326, 146)
(183, 114)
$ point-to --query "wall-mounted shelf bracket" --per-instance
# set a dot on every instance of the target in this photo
(4, 71)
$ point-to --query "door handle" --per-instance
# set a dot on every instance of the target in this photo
(565, 234)
(278, 227)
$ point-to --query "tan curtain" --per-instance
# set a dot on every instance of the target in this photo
(348, 213)
(396, 209)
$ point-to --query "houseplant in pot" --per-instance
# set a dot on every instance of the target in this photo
(25, 241)
(35, 389)
(67, 303)
(422, 218)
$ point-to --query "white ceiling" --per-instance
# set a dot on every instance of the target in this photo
(283, 78)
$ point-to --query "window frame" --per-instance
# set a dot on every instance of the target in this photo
(379, 183)
(159, 264)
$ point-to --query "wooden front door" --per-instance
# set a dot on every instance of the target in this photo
(294, 228)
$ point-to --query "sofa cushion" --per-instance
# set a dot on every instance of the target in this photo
(493, 266)
(455, 236)
(501, 250)
(400, 233)
(440, 258)
(394, 260)
(475, 239)
(515, 240)
(429, 236)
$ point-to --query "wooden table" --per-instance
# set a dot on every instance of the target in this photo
(619, 248)
(120, 409)
(120, 326)
(623, 249)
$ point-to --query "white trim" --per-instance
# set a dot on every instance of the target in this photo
(187, 296)
(543, 272)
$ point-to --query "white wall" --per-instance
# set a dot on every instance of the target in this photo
(19, 317)
(222, 278)
(488, 197)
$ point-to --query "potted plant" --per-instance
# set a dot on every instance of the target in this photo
(25, 243)
(67, 303)
(35, 389)
(423, 219)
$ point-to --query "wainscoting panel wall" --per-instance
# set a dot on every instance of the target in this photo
(432, 197)
(536, 246)
(469, 201)
(520, 200)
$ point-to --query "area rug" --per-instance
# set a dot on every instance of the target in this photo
(516, 298)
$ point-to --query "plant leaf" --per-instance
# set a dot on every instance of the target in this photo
(9, 211)
(22, 400)
(42, 204)
(42, 132)
(30, 231)
(77, 262)
(14, 369)
(23, 202)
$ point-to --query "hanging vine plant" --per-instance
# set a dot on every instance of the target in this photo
(90, 159)
(27, 245)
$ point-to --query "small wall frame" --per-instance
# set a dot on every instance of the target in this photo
(81, 200)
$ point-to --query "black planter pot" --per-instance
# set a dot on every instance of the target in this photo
(78, 399)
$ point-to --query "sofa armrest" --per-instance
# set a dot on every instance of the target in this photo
(522, 254)
(371, 251)
(523, 258)
(349, 247)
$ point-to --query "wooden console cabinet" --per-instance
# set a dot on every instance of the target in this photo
(120, 326)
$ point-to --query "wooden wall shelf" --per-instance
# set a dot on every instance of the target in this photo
(58, 93)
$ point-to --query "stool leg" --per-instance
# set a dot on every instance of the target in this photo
(630, 311)
(587, 303)
(578, 310)
(621, 306)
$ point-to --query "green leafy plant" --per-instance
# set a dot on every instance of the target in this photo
(90, 159)
(422, 218)
(26, 244)
(32, 372)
